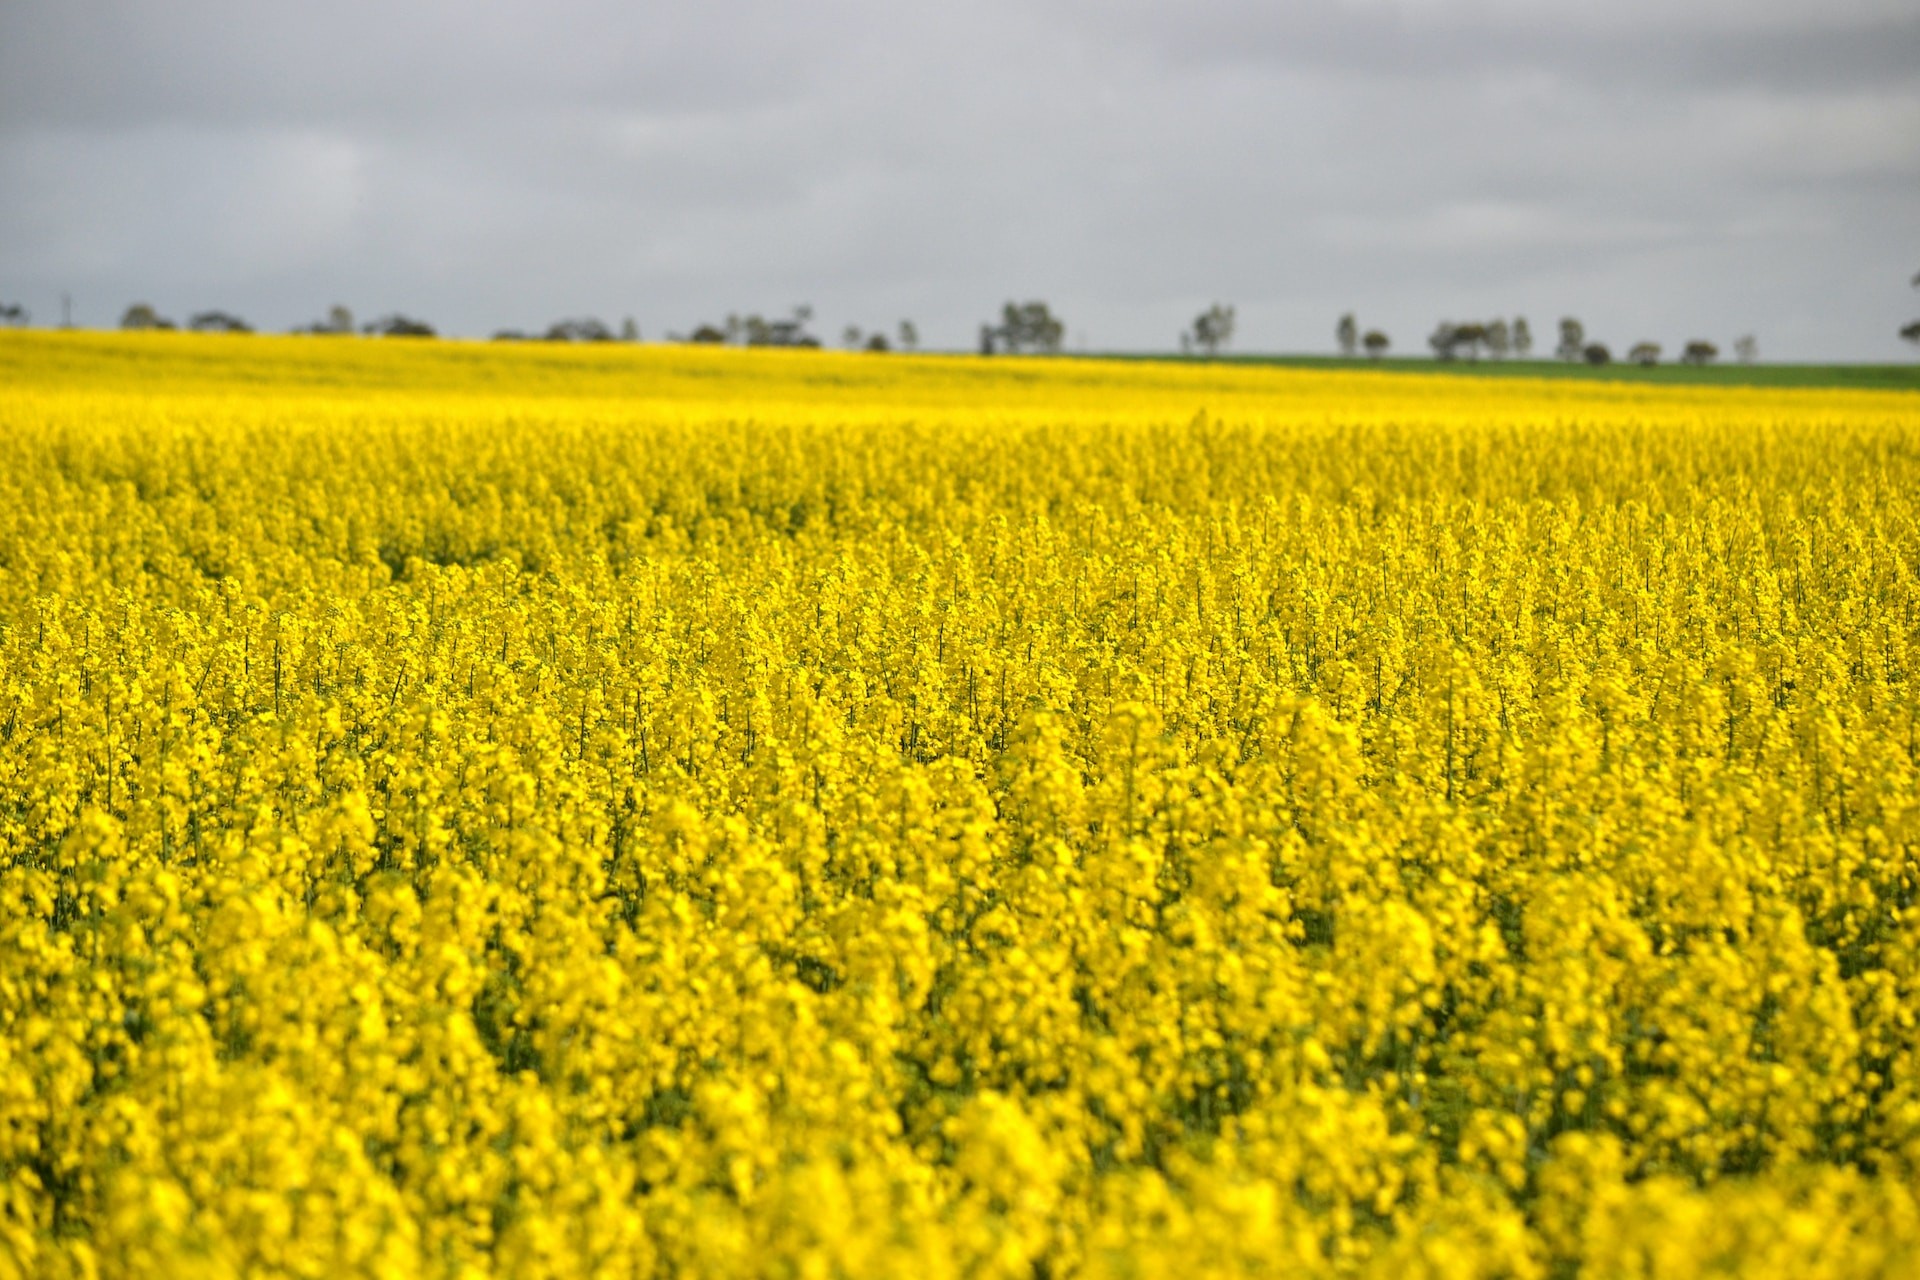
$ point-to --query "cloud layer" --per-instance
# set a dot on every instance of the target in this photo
(1663, 171)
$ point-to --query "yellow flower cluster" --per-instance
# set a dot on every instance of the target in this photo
(621, 812)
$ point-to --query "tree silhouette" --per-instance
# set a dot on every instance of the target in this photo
(586, 329)
(1573, 340)
(1376, 343)
(142, 316)
(1522, 337)
(339, 321)
(1347, 334)
(756, 331)
(218, 322)
(1023, 327)
(1699, 351)
(1911, 332)
(1212, 330)
(398, 326)
(1448, 340)
(1499, 339)
(1644, 353)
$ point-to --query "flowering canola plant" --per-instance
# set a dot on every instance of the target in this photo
(558, 812)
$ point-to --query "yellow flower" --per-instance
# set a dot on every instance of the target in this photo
(644, 812)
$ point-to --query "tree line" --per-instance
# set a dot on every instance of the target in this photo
(1022, 328)
(750, 330)
(1499, 340)
(338, 320)
(792, 331)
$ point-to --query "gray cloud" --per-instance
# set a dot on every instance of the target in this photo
(1627, 44)
(1662, 170)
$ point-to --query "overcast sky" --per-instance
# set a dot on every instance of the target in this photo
(1663, 169)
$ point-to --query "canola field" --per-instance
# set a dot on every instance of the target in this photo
(539, 812)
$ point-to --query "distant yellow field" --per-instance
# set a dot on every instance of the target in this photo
(476, 810)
